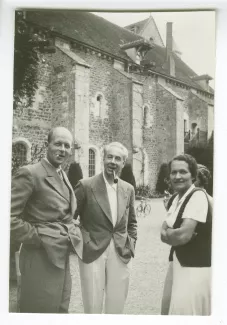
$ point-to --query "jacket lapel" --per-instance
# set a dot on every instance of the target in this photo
(72, 195)
(99, 190)
(53, 179)
(122, 199)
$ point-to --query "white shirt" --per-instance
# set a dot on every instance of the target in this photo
(112, 196)
(195, 209)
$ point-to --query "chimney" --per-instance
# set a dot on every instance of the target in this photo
(170, 63)
(169, 37)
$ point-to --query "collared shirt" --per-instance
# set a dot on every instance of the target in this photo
(112, 196)
(195, 209)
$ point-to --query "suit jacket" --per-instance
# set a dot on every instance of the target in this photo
(96, 221)
(42, 212)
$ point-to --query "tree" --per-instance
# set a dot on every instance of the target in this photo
(163, 183)
(127, 175)
(28, 48)
(205, 157)
(75, 173)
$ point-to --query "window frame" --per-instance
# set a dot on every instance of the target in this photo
(91, 162)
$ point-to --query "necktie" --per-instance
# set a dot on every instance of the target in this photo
(60, 174)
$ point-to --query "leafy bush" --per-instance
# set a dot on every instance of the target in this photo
(205, 157)
(29, 48)
(147, 192)
(75, 173)
(127, 175)
(163, 183)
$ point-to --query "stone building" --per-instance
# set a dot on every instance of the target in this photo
(108, 83)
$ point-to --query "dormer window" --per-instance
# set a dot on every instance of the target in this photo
(136, 50)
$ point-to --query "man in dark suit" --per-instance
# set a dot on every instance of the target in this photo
(109, 229)
(42, 209)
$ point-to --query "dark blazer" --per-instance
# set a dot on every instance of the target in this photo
(96, 221)
(42, 212)
(197, 252)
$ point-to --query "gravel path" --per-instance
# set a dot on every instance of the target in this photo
(148, 272)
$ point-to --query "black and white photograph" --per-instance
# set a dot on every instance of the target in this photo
(112, 162)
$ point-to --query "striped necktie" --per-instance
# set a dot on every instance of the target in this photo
(60, 174)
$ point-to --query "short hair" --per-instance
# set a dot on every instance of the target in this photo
(118, 145)
(50, 134)
(203, 176)
(192, 164)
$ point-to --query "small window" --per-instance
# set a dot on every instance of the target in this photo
(185, 126)
(19, 153)
(145, 115)
(91, 165)
(99, 104)
(198, 133)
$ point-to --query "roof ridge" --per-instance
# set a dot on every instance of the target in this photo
(157, 29)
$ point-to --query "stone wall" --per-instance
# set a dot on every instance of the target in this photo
(150, 136)
(121, 113)
(100, 104)
(33, 123)
(166, 125)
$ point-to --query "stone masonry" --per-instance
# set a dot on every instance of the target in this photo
(80, 89)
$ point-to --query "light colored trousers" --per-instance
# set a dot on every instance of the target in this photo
(107, 277)
(167, 291)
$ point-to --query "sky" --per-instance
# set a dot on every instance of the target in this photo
(193, 32)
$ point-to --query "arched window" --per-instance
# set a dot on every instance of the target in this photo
(145, 115)
(91, 165)
(99, 105)
(19, 152)
(194, 129)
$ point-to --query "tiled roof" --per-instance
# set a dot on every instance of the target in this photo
(97, 32)
(182, 71)
(85, 27)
